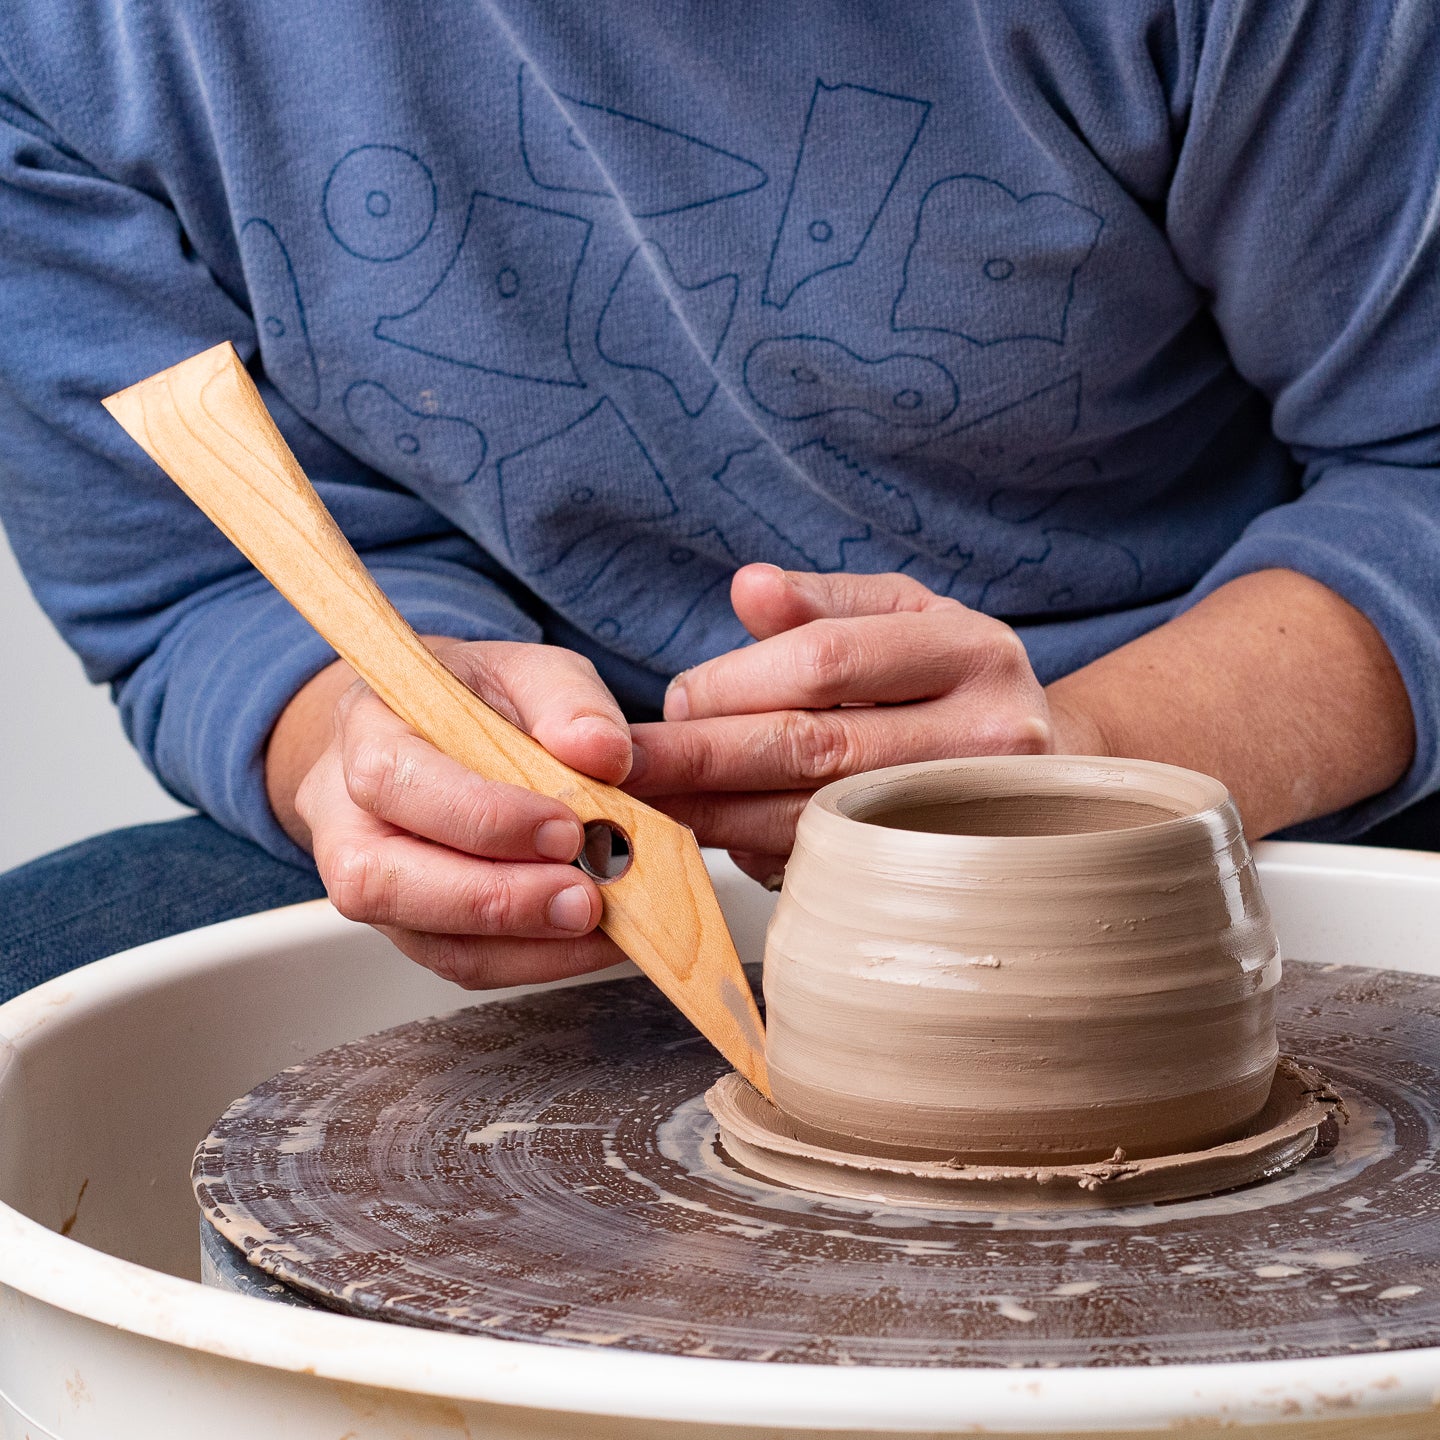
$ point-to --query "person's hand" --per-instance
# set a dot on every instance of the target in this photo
(467, 876)
(850, 673)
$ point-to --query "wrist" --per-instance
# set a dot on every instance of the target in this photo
(1075, 729)
(301, 735)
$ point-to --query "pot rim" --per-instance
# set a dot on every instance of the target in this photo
(1193, 798)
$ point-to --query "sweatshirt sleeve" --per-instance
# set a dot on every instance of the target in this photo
(99, 286)
(1306, 202)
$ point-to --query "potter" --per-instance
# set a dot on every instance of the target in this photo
(1022, 959)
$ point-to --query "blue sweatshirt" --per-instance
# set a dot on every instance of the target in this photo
(1071, 310)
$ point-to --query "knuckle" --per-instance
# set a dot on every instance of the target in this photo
(700, 757)
(479, 814)
(946, 603)
(307, 798)
(816, 743)
(704, 813)
(360, 884)
(828, 662)
(474, 663)
(488, 667)
(1033, 735)
(452, 958)
(577, 673)
(496, 904)
(350, 698)
(1016, 732)
(1006, 650)
(583, 666)
(908, 590)
(375, 769)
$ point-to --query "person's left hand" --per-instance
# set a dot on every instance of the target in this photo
(850, 673)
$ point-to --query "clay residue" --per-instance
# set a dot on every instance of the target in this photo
(641, 1225)
(73, 1218)
(777, 1146)
(1023, 960)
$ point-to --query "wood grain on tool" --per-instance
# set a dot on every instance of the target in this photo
(204, 423)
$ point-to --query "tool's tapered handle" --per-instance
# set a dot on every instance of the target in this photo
(240, 471)
(204, 423)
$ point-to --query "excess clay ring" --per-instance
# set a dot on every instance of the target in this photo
(770, 1144)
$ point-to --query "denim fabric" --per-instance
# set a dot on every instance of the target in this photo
(117, 890)
(122, 889)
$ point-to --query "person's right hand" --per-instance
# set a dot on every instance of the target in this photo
(467, 876)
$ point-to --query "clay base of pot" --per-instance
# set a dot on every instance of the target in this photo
(768, 1142)
(1058, 1134)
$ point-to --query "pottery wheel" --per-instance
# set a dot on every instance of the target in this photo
(545, 1169)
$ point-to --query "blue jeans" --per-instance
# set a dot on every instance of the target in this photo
(130, 886)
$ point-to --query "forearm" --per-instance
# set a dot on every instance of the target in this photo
(1273, 683)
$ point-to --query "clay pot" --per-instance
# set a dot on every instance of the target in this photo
(1028, 959)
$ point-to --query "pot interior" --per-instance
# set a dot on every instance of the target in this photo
(1049, 796)
(1018, 815)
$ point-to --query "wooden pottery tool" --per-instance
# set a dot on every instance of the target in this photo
(204, 423)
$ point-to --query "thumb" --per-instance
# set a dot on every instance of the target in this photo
(769, 600)
(554, 695)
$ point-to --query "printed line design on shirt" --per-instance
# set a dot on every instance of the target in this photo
(379, 202)
(990, 265)
(524, 259)
(416, 446)
(854, 144)
(848, 484)
(627, 583)
(1016, 550)
(567, 499)
(1006, 439)
(643, 327)
(1024, 504)
(748, 476)
(585, 510)
(652, 168)
(801, 377)
(940, 573)
(279, 313)
(1102, 573)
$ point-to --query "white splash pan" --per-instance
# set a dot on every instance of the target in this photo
(109, 1076)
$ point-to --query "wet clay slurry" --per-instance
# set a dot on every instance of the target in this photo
(778, 1147)
(1022, 961)
(545, 1168)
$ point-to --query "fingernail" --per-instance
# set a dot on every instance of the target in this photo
(677, 702)
(558, 839)
(639, 761)
(570, 909)
(599, 727)
(775, 881)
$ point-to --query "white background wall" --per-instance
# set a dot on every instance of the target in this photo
(66, 769)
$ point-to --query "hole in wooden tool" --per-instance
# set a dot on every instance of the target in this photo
(607, 854)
